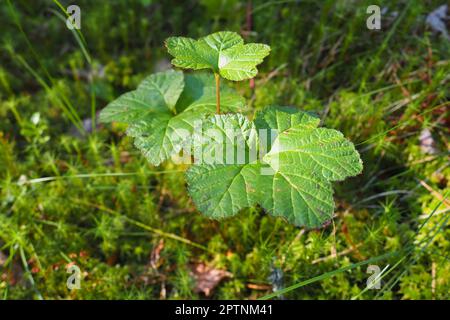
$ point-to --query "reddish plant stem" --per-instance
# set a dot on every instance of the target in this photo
(217, 77)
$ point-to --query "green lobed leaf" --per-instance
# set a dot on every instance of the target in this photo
(219, 139)
(299, 192)
(280, 119)
(219, 189)
(303, 145)
(157, 93)
(224, 52)
(161, 136)
(162, 111)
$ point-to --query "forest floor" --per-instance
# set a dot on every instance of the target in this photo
(76, 193)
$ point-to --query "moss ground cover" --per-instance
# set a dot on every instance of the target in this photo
(75, 192)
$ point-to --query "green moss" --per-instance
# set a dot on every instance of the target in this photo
(381, 95)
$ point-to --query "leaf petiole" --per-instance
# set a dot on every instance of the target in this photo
(217, 77)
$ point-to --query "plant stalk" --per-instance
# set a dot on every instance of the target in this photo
(217, 77)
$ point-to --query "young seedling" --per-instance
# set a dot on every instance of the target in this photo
(303, 159)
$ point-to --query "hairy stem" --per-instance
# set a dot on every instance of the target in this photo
(217, 77)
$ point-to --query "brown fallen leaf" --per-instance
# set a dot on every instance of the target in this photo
(207, 277)
(155, 255)
(255, 286)
(14, 274)
(125, 157)
(3, 259)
